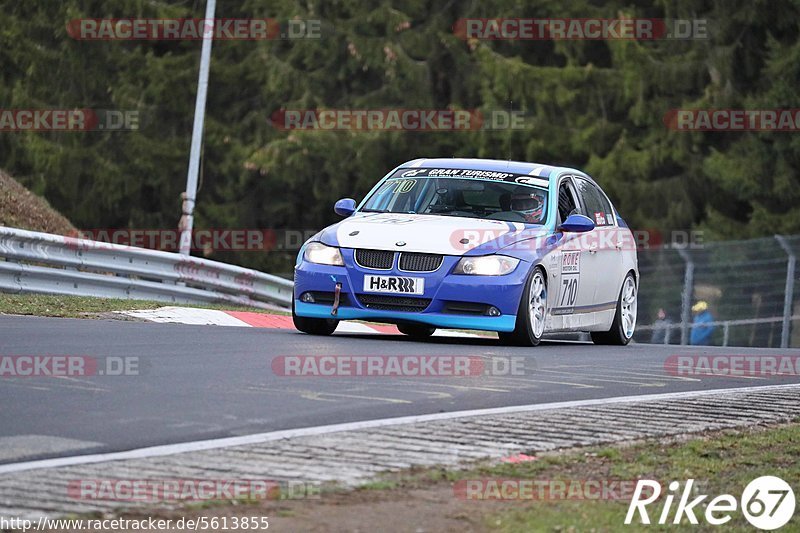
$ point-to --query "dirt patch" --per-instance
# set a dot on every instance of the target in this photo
(420, 510)
(428, 509)
(20, 208)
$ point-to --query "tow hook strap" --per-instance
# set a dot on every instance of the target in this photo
(336, 292)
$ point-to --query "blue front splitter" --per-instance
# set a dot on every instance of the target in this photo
(488, 323)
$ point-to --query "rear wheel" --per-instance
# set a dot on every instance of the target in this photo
(417, 331)
(531, 314)
(622, 328)
(314, 326)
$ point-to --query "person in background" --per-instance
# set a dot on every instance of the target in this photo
(660, 328)
(702, 328)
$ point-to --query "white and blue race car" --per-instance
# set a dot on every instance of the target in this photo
(522, 249)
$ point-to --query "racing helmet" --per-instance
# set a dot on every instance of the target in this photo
(529, 205)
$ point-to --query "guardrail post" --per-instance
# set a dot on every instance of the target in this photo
(686, 295)
(789, 294)
(726, 326)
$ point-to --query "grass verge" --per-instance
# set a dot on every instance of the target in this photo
(87, 306)
(720, 464)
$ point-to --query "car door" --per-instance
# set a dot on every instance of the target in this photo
(574, 286)
(604, 259)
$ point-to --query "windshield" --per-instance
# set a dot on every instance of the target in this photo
(450, 196)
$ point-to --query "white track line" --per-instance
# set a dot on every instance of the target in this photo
(187, 315)
(172, 449)
(355, 327)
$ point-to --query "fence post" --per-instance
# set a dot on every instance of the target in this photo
(789, 294)
(686, 295)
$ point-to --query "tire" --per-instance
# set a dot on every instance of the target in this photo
(314, 326)
(528, 332)
(624, 324)
(416, 331)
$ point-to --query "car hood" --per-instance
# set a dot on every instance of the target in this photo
(425, 233)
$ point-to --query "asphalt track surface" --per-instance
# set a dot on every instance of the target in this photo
(204, 382)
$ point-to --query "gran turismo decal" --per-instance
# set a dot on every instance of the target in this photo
(463, 173)
(527, 180)
(411, 173)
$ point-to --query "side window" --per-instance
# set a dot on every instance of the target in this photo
(566, 200)
(595, 204)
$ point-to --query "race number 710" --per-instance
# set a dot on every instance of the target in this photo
(569, 286)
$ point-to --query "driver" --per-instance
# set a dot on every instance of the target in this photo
(529, 205)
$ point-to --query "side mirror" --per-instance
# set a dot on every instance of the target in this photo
(345, 207)
(577, 224)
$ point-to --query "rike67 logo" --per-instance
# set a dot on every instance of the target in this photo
(767, 502)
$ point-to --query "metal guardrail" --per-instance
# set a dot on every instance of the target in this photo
(52, 264)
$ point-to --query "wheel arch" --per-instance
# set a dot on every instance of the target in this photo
(531, 268)
(541, 266)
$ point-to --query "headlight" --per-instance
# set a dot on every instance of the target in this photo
(486, 265)
(319, 253)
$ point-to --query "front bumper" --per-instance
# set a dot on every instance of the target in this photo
(447, 294)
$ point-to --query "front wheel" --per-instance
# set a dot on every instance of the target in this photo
(415, 331)
(621, 331)
(531, 314)
(314, 326)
